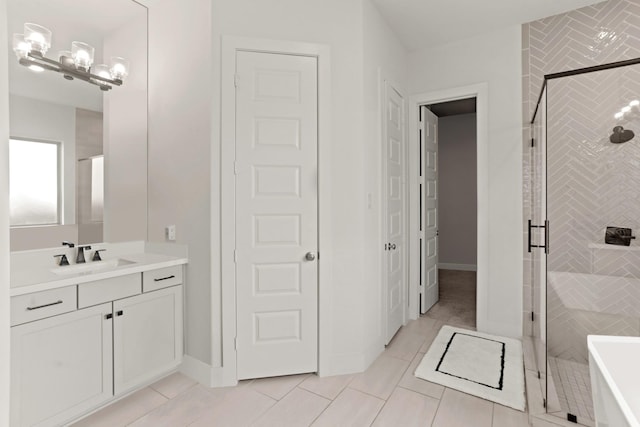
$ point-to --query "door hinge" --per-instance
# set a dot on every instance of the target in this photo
(236, 80)
(235, 168)
(544, 403)
(532, 317)
(533, 144)
(539, 375)
(235, 343)
(235, 256)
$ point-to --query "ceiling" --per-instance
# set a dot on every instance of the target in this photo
(454, 108)
(427, 23)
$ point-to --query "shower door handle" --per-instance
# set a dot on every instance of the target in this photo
(546, 237)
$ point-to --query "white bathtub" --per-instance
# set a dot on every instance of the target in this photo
(615, 380)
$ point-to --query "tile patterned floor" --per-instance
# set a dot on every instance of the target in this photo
(386, 394)
(573, 387)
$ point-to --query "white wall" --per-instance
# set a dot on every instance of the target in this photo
(384, 59)
(125, 136)
(4, 223)
(494, 58)
(457, 225)
(179, 153)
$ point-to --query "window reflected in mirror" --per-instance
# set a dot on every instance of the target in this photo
(34, 182)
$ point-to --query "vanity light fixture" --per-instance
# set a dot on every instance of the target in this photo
(30, 49)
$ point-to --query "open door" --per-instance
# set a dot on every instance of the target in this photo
(395, 263)
(428, 209)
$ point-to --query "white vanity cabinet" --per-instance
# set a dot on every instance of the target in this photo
(84, 345)
(61, 366)
(147, 337)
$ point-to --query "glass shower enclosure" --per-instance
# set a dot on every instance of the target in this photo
(585, 210)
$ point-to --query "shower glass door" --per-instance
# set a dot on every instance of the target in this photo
(592, 184)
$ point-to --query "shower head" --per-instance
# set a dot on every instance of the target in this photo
(621, 135)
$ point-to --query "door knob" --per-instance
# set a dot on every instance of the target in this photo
(310, 256)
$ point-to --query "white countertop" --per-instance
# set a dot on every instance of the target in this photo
(41, 277)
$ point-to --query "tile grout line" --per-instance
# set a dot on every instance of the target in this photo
(171, 398)
(435, 415)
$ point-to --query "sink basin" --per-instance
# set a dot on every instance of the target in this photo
(615, 379)
(91, 267)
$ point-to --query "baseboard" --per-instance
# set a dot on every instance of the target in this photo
(352, 363)
(196, 369)
(212, 376)
(207, 375)
(459, 267)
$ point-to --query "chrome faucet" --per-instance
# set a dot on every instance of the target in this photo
(80, 257)
(67, 243)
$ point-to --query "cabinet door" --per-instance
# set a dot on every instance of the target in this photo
(147, 337)
(61, 366)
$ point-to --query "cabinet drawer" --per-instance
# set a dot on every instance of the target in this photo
(161, 278)
(29, 307)
(106, 290)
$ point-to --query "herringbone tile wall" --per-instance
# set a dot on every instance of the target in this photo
(591, 183)
(597, 34)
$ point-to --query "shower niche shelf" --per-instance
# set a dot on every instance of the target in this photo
(613, 247)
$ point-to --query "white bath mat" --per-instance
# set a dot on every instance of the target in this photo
(487, 366)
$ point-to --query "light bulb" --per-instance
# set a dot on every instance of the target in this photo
(38, 37)
(625, 109)
(101, 70)
(619, 115)
(36, 68)
(119, 68)
(82, 55)
(20, 46)
(634, 103)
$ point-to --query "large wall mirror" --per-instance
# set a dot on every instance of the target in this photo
(78, 153)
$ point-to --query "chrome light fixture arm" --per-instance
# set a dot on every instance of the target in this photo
(67, 67)
(31, 47)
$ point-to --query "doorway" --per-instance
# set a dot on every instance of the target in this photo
(448, 210)
(480, 92)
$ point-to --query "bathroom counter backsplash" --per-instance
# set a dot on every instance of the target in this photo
(34, 271)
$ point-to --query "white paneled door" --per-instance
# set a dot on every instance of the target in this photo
(429, 209)
(395, 214)
(276, 214)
